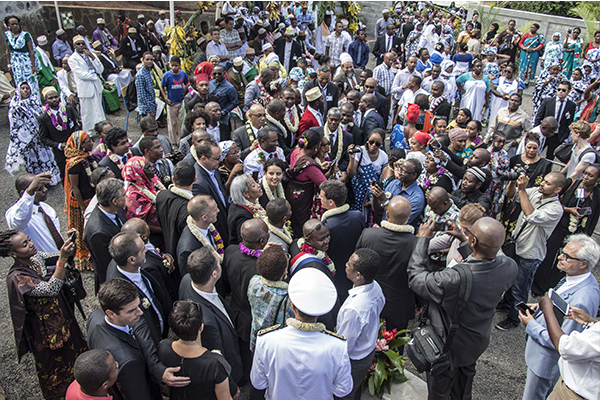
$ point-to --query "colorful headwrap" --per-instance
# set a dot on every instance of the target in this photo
(457, 134)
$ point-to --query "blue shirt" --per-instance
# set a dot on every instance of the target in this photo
(60, 49)
(225, 92)
(413, 194)
(146, 97)
(175, 85)
(359, 51)
(422, 67)
(303, 20)
(397, 139)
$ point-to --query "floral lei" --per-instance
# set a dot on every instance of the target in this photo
(317, 253)
(63, 111)
(249, 252)
(475, 142)
(256, 209)
(181, 193)
(340, 138)
(286, 235)
(397, 228)
(276, 123)
(288, 123)
(305, 326)
(214, 233)
(263, 91)
(157, 185)
(335, 211)
(269, 192)
(261, 156)
(432, 179)
(117, 160)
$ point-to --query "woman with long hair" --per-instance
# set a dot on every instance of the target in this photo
(79, 190)
(530, 44)
(272, 182)
(245, 192)
(572, 52)
(25, 147)
(20, 58)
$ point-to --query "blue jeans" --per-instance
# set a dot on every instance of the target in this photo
(520, 290)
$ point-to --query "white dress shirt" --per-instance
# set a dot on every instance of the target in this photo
(253, 163)
(287, 55)
(25, 216)
(579, 361)
(402, 77)
(125, 328)
(571, 281)
(112, 217)
(214, 132)
(214, 299)
(317, 114)
(137, 279)
(358, 319)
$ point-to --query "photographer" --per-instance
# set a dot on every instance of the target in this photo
(541, 212)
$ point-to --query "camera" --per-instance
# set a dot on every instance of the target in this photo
(441, 226)
(354, 150)
(569, 31)
(512, 175)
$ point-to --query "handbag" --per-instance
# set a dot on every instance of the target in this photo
(425, 348)
(563, 152)
(73, 287)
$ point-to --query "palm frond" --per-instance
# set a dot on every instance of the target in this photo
(588, 15)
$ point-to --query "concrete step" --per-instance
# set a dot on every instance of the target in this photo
(413, 389)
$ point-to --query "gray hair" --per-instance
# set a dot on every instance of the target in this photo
(239, 186)
(589, 250)
(323, 68)
(334, 112)
(108, 190)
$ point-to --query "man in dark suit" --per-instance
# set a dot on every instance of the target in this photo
(328, 88)
(370, 117)
(118, 327)
(208, 181)
(563, 110)
(345, 228)
(288, 50)
(349, 125)
(202, 210)
(117, 145)
(52, 137)
(104, 223)
(131, 50)
(386, 43)
(275, 121)
(219, 332)
(171, 205)
(381, 105)
(335, 135)
(129, 254)
(257, 116)
(238, 269)
(492, 275)
(215, 126)
(442, 108)
(393, 235)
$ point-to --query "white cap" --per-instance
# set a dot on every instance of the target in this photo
(267, 46)
(140, 16)
(42, 40)
(312, 292)
(60, 32)
(238, 61)
(345, 58)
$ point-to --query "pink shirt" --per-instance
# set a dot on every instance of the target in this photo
(74, 393)
(311, 173)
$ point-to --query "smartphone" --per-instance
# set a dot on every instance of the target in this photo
(585, 211)
(559, 303)
(441, 226)
(335, 161)
(524, 307)
(379, 184)
(73, 236)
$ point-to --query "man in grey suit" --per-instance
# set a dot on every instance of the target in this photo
(492, 276)
(580, 289)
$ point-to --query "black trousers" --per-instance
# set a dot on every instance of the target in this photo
(552, 143)
(456, 384)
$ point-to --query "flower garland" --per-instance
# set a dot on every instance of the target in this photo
(263, 91)
(397, 228)
(475, 142)
(317, 253)
(433, 179)
(202, 239)
(292, 127)
(256, 209)
(274, 284)
(269, 192)
(305, 326)
(261, 156)
(63, 111)
(86, 166)
(335, 211)
(286, 235)
(250, 132)
(340, 137)
(277, 124)
(158, 185)
(436, 101)
(180, 192)
(117, 160)
(250, 252)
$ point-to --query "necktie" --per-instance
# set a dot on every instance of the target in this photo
(58, 240)
(389, 43)
(561, 103)
(291, 116)
(130, 331)
(118, 221)
(156, 172)
(59, 118)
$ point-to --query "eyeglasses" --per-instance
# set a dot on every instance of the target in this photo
(316, 228)
(214, 158)
(375, 143)
(562, 90)
(217, 73)
(568, 257)
(469, 232)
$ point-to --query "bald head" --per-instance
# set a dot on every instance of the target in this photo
(399, 210)
(438, 200)
(256, 109)
(488, 237)
(254, 231)
(199, 205)
(309, 226)
(371, 82)
(438, 193)
(199, 135)
(136, 225)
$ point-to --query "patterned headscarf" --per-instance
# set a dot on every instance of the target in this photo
(74, 156)
(457, 133)
(225, 146)
(490, 50)
(296, 74)
(133, 172)
(557, 34)
(445, 65)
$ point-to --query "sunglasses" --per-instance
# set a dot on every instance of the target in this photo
(375, 143)
(316, 228)
(563, 90)
(369, 87)
(104, 172)
(217, 73)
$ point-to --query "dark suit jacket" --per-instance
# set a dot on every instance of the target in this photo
(347, 141)
(238, 269)
(160, 298)
(187, 244)
(107, 162)
(205, 185)
(283, 138)
(190, 101)
(381, 106)
(443, 109)
(296, 52)
(99, 230)
(135, 380)
(235, 218)
(172, 214)
(372, 121)
(548, 109)
(331, 94)
(379, 49)
(52, 137)
(344, 229)
(218, 333)
(358, 134)
(392, 277)
(154, 266)
(491, 278)
(108, 67)
(241, 139)
(131, 57)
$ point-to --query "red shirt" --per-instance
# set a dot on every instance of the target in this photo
(74, 393)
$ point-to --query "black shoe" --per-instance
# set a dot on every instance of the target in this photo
(502, 307)
(506, 325)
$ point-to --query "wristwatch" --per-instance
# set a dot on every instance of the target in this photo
(386, 203)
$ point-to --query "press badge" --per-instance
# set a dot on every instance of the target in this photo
(580, 193)
(329, 98)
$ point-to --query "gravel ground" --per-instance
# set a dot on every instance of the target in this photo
(501, 370)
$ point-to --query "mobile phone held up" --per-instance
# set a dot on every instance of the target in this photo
(524, 307)
(73, 236)
(559, 303)
(441, 226)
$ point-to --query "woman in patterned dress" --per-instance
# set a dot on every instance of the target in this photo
(19, 54)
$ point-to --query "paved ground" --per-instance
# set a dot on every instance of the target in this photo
(501, 371)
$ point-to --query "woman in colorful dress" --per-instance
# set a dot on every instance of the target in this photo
(245, 192)
(412, 40)
(503, 87)
(272, 181)
(592, 54)
(546, 84)
(475, 88)
(499, 163)
(435, 174)
(79, 190)
(100, 151)
(530, 44)
(572, 56)
(578, 86)
(21, 60)
(554, 51)
(25, 147)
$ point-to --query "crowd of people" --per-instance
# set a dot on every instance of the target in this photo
(297, 197)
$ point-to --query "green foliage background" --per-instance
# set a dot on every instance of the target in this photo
(560, 8)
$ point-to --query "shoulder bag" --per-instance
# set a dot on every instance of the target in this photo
(73, 287)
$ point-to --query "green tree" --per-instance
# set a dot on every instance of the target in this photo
(560, 8)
